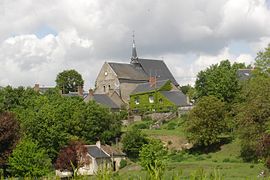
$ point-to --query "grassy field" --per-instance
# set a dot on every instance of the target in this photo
(225, 162)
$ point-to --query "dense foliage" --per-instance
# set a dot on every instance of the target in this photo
(206, 121)
(52, 120)
(9, 135)
(28, 160)
(263, 61)
(254, 114)
(133, 141)
(219, 80)
(153, 158)
(69, 80)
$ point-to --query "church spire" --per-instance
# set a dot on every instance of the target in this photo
(134, 57)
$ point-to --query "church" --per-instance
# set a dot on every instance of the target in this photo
(123, 78)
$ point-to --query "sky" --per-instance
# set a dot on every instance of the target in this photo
(39, 39)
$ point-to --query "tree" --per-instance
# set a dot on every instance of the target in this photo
(153, 158)
(132, 142)
(206, 121)
(263, 60)
(253, 115)
(219, 80)
(28, 160)
(69, 80)
(72, 157)
(98, 123)
(185, 88)
(52, 120)
(9, 135)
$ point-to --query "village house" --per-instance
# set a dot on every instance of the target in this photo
(157, 96)
(101, 156)
(98, 156)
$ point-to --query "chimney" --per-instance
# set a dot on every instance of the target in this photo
(36, 88)
(98, 144)
(152, 81)
(80, 90)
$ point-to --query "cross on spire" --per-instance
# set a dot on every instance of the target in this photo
(134, 57)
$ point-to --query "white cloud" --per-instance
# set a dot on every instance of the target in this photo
(190, 35)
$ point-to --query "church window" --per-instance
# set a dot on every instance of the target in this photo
(106, 73)
(109, 86)
(151, 99)
(104, 88)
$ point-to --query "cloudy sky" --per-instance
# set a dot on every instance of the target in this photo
(39, 39)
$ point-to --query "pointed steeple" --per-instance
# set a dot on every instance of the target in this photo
(134, 57)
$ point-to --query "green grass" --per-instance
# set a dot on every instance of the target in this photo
(226, 161)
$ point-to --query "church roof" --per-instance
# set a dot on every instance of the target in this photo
(157, 68)
(128, 71)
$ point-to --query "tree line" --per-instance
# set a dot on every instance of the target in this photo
(35, 127)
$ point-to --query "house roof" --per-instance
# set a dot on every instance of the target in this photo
(244, 74)
(112, 151)
(104, 100)
(177, 97)
(128, 71)
(72, 94)
(146, 87)
(97, 152)
(157, 68)
(43, 89)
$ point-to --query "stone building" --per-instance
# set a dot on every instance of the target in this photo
(123, 78)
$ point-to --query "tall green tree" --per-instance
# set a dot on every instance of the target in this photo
(263, 60)
(28, 160)
(253, 116)
(206, 121)
(219, 80)
(153, 158)
(69, 80)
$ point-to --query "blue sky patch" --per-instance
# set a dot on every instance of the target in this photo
(44, 30)
(239, 47)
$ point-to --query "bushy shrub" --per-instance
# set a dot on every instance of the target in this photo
(123, 163)
(171, 125)
(28, 160)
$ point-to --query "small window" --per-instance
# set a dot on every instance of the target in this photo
(137, 100)
(151, 99)
(109, 86)
(104, 88)
(160, 100)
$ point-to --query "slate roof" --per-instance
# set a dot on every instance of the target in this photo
(112, 151)
(177, 97)
(128, 71)
(43, 89)
(146, 87)
(244, 74)
(157, 67)
(96, 152)
(72, 94)
(104, 100)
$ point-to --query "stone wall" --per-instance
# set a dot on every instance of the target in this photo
(106, 80)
